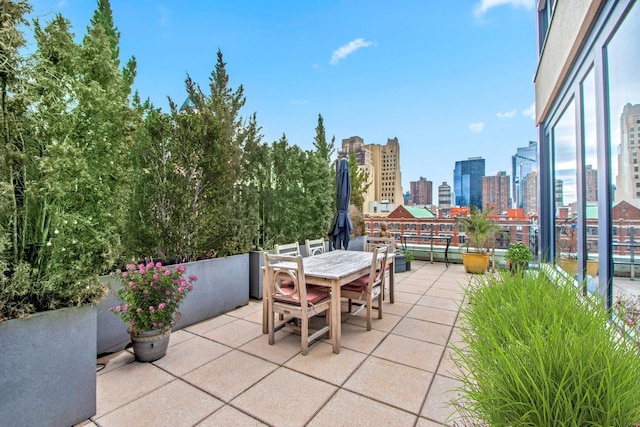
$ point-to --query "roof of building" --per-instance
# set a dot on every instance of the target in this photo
(415, 212)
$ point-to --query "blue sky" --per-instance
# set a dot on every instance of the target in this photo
(450, 79)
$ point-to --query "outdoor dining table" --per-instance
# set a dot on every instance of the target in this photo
(335, 269)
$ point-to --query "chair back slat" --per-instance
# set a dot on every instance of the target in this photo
(371, 241)
(285, 278)
(314, 247)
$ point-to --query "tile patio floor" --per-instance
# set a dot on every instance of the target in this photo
(223, 372)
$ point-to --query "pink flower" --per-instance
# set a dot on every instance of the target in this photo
(161, 306)
(158, 264)
(126, 307)
(190, 287)
(145, 292)
(151, 309)
(125, 274)
(167, 272)
(193, 278)
(118, 308)
(138, 310)
(168, 292)
(155, 277)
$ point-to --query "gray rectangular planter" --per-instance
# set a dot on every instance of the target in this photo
(48, 368)
(222, 286)
(256, 261)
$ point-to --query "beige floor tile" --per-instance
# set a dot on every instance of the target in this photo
(246, 310)
(208, 325)
(438, 302)
(392, 383)
(415, 289)
(229, 375)
(175, 404)
(406, 297)
(418, 354)
(180, 336)
(286, 346)
(191, 354)
(114, 361)
(230, 416)
(397, 308)
(386, 324)
(425, 331)
(350, 409)
(127, 383)
(285, 398)
(356, 337)
(255, 317)
(423, 422)
(432, 314)
(236, 333)
(448, 367)
(418, 280)
(454, 294)
(437, 406)
(322, 363)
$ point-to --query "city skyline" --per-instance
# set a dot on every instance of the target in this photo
(450, 80)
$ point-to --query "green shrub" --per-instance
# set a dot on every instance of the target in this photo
(535, 353)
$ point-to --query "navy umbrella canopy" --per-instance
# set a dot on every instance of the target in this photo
(341, 227)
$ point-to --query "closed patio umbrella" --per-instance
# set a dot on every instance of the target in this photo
(341, 227)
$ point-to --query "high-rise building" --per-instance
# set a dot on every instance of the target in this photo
(523, 163)
(495, 192)
(529, 187)
(628, 177)
(444, 196)
(559, 193)
(467, 182)
(421, 192)
(382, 163)
(591, 183)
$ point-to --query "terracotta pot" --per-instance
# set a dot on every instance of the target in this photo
(475, 263)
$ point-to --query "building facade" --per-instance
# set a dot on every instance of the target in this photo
(628, 176)
(530, 194)
(421, 192)
(382, 164)
(523, 163)
(467, 182)
(586, 87)
(495, 192)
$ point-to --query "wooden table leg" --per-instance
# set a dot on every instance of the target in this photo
(265, 307)
(336, 316)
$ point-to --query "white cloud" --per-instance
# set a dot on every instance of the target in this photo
(484, 5)
(476, 127)
(507, 114)
(164, 15)
(296, 102)
(530, 112)
(348, 49)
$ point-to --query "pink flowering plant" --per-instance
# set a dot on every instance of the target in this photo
(151, 295)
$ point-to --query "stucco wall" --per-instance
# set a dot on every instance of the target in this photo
(568, 29)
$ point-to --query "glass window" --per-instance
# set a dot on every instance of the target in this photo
(564, 149)
(623, 95)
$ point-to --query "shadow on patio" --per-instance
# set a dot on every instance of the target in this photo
(223, 372)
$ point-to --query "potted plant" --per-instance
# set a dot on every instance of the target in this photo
(568, 244)
(151, 295)
(408, 255)
(480, 232)
(518, 256)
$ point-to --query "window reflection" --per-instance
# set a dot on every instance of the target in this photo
(564, 149)
(623, 92)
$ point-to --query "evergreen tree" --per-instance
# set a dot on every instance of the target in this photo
(359, 187)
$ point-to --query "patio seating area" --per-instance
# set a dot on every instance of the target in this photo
(223, 371)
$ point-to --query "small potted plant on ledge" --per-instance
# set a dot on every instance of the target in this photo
(151, 295)
(518, 256)
(408, 256)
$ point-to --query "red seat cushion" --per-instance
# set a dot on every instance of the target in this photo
(315, 294)
(358, 285)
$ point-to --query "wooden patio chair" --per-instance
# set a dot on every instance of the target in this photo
(298, 300)
(314, 247)
(366, 288)
(291, 249)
